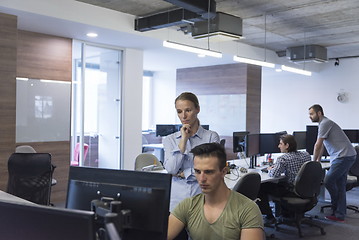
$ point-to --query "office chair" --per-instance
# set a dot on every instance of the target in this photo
(352, 181)
(29, 149)
(304, 197)
(147, 162)
(30, 176)
(249, 185)
(24, 149)
(223, 142)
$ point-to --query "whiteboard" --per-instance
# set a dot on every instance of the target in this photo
(42, 110)
(224, 114)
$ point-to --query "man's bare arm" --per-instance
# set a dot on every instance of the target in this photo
(175, 226)
(318, 149)
(252, 234)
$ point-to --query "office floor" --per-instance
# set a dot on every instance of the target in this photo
(347, 230)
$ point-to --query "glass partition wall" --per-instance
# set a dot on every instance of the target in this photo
(96, 106)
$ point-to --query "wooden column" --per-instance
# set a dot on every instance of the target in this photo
(8, 38)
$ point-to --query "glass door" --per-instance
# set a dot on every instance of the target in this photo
(96, 106)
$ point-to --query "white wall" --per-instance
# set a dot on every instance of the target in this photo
(164, 94)
(132, 106)
(286, 97)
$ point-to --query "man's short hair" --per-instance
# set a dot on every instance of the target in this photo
(287, 138)
(211, 150)
(317, 108)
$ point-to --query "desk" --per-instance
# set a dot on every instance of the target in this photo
(159, 152)
(7, 197)
(232, 178)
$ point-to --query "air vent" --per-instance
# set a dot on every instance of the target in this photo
(309, 53)
(223, 26)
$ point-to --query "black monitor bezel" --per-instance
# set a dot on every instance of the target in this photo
(252, 145)
(239, 141)
(268, 143)
(300, 138)
(352, 134)
(159, 183)
(31, 221)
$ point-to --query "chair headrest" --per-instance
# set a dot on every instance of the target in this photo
(308, 180)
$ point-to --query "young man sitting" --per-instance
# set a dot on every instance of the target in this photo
(218, 212)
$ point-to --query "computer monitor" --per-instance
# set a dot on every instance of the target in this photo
(145, 194)
(252, 145)
(311, 138)
(163, 130)
(239, 141)
(268, 143)
(205, 127)
(300, 138)
(32, 221)
(352, 134)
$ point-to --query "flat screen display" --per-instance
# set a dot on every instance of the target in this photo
(24, 221)
(239, 141)
(252, 145)
(300, 138)
(145, 194)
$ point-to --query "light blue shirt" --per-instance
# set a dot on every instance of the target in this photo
(176, 162)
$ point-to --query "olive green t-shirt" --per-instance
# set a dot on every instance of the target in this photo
(239, 213)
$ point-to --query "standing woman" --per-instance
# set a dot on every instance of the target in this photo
(177, 146)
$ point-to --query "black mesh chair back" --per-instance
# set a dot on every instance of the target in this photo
(308, 180)
(306, 188)
(249, 185)
(30, 176)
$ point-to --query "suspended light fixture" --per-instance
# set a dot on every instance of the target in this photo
(191, 49)
(254, 62)
(201, 52)
(258, 62)
(296, 70)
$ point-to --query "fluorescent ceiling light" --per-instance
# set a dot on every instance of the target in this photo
(22, 79)
(187, 48)
(92, 34)
(254, 62)
(54, 81)
(296, 70)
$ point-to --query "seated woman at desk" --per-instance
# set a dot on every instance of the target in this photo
(289, 163)
(177, 146)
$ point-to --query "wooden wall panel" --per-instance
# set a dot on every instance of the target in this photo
(44, 56)
(8, 38)
(219, 79)
(32, 55)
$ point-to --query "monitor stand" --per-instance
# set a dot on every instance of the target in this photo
(253, 162)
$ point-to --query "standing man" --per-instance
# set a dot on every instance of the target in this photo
(218, 212)
(342, 157)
